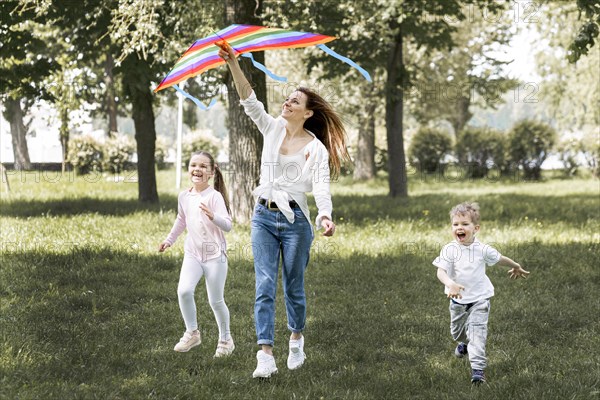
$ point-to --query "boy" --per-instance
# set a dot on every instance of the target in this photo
(461, 268)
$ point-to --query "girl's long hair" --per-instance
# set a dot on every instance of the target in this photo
(328, 128)
(219, 183)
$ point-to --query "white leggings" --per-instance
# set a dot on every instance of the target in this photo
(215, 273)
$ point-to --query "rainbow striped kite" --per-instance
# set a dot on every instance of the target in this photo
(202, 55)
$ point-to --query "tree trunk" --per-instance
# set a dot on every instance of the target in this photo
(462, 115)
(137, 79)
(245, 141)
(5, 178)
(364, 163)
(393, 117)
(111, 103)
(64, 135)
(14, 114)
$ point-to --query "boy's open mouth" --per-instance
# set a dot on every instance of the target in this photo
(461, 236)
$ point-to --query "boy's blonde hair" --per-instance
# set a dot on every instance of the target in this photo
(467, 208)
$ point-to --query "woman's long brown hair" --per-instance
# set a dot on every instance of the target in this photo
(328, 128)
(219, 183)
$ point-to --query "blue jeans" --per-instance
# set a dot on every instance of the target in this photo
(273, 237)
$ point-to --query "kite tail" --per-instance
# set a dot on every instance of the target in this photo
(264, 69)
(346, 60)
(195, 100)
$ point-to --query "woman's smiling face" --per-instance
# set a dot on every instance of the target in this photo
(294, 107)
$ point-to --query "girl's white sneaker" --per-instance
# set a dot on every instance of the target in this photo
(224, 348)
(187, 341)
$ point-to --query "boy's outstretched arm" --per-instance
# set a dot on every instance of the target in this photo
(516, 269)
(454, 288)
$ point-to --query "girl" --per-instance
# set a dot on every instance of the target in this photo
(299, 149)
(205, 213)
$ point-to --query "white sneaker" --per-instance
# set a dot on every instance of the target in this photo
(266, 365)
(187, 341)
(296, 357)
(224, 348)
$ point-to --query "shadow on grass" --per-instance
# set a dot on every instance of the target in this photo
(84, 205)
(363, 210)
(103, 322)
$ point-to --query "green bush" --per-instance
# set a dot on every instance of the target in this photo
(117, 152)
(428, 149)
(197, 143)
(529, 144)
(85, 154)
(568, 151)
(480, 149)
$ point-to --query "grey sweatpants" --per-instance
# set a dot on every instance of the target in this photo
(468, 324)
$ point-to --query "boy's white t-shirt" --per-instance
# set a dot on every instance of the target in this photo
(465, 265)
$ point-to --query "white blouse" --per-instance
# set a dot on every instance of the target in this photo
(313, 176)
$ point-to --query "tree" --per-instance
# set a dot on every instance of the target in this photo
(23, 66)
(375, 35)
(447, 83)
(145, 37)
(364, 160)
(588, 31)
(245, 141)
(570, 91)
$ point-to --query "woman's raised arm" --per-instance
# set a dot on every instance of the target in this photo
(241, 83)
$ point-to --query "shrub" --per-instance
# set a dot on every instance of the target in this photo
(481, 149)
(117, 152)
(428, 148)
(529, 144)
(85, 154)
(197, 143)
(568, 151)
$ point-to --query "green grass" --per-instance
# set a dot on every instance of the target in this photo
(89, 308)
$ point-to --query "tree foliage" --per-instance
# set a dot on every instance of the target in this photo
(588, 31)
(447, 83)
(375, 34)
(571, 92)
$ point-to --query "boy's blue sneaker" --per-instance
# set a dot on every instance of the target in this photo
(461, 350)
(477, 376)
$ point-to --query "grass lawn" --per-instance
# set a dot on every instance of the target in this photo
(89, 307)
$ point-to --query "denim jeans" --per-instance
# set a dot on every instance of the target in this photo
(468, 324)
(274, 238)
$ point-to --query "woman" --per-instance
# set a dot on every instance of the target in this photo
(300, 149)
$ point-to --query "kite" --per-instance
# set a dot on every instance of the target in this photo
(244, 39)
